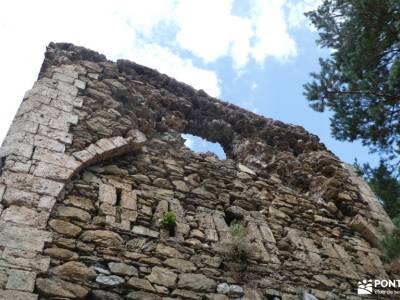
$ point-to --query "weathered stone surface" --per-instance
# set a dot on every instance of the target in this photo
(2, 190)
(60, 288)
(60, 253)
(162, 276)
(122, 269)
(367, 230)
(17, 295)
(73, 213)
(198, 234)
(57, 158)
(31, 183)
(141, 178)
(80, 202)
(180, 185)
(80, 84)
(140, 283)
(46, 202)
(21, 280)
(51, 171)
(276, 213)
(24, 238)
(180, 264)
(105, 144)
(48, 143)
(246, 169)
(142, 296)
(206, 260)
(231, 290)
(267, 233)
(141, 230)
(115, 170)
(162, 183)
(325, 280)
(67, 88)
(197, 282)
(24, 216)
(65, 228)
(308, 296)
(104, 295)
(332, 207)
(129, 200)
(63, 77)
(17, 197)
(109, 280)
(101, 270)
(102, 237)
(107, 194)
(84, 156)
(203, 193)
(223, 297)
(186, 294)
(74, 271)
(168, 251)
(24, 259)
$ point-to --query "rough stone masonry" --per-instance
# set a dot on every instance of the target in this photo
(94, 158)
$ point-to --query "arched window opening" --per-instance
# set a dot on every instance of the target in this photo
(200, 145)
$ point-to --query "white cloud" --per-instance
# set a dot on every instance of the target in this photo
(272, 38)
(157, 33)
(296, 18)
(104, 26)
(144, 16)
(155, 56)
(210, 30)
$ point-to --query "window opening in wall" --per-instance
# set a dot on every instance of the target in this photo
(230, 218)
(119, 192)
(118, 204)
(200, 145)
(2, 162)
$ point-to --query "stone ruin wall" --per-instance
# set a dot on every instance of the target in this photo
(95, 157)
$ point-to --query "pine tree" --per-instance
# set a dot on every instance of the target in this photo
(360, 81)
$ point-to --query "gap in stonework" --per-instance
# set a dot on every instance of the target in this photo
(200, 145)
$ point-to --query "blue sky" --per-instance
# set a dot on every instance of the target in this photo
(254, 53)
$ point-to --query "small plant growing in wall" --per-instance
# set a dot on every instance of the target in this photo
(236, 248)
(169, 222)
